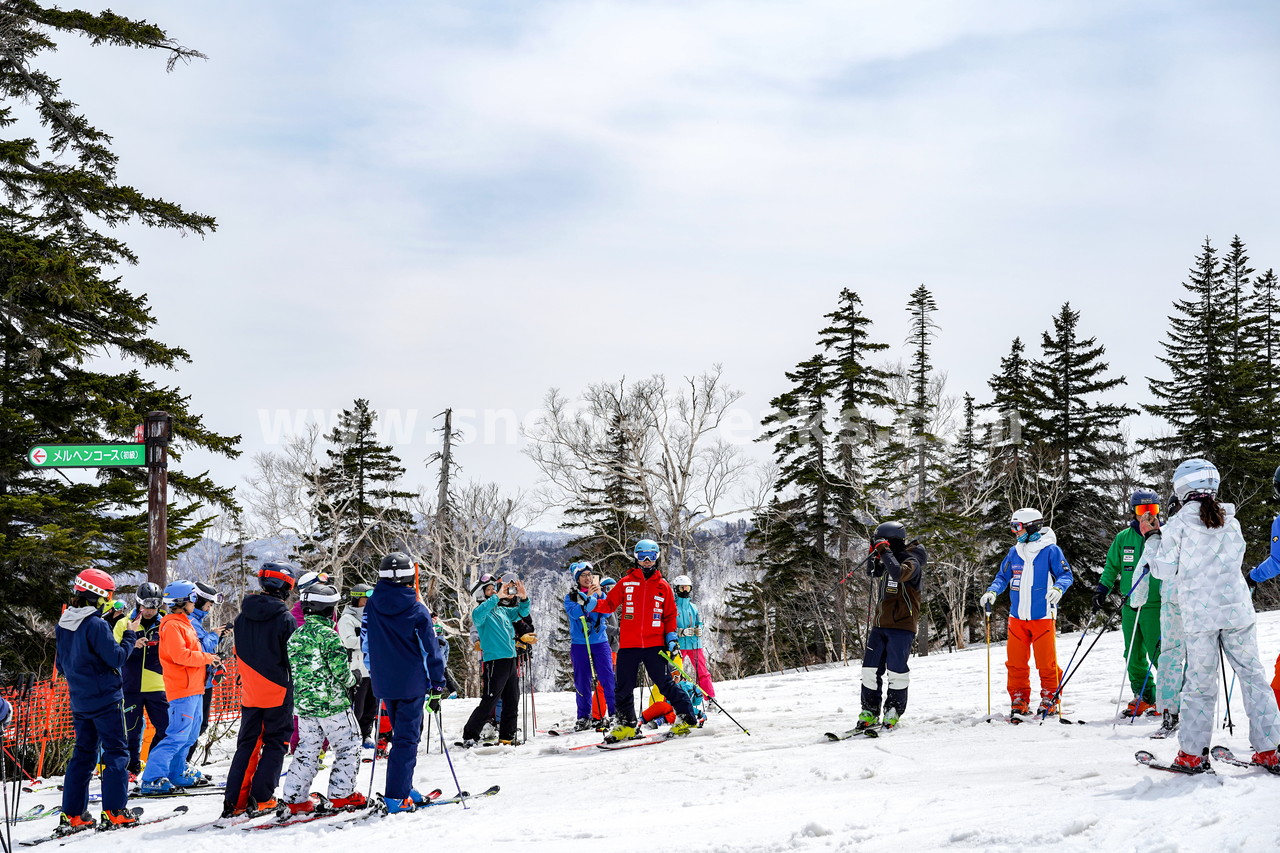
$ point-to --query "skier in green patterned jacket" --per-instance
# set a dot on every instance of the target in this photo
(1124, 566)
(322, 680)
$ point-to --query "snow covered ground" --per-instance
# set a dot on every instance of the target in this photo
(946, 780)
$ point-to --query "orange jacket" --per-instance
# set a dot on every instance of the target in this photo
(182, 658)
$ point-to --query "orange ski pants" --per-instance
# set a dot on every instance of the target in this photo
(1027, 637)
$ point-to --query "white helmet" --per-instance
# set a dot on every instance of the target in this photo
(681, 580)
(1026, 520)
(1196, 476)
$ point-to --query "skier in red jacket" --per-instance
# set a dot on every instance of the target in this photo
(646, 609)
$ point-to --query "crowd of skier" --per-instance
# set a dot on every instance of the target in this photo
(318, 678)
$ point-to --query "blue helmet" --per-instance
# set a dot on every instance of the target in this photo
(1196, 477)
(646, 546)
(178, 592)
(608, 583)
(1140, 497)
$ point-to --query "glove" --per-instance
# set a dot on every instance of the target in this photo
(988, 600)
(1100, 593)
(529, 639)
(673, 645)
(433, 702)
(1053, 596)
(880, 547)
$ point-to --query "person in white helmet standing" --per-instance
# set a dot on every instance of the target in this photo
(689, 630)
(1199, 555)
(1036, 573)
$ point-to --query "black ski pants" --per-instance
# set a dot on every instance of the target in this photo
(627, 669)
(498, 680)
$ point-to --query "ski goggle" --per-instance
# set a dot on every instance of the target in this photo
(646, 556)
(1146, 509)
(363, 594)
(215, 597)
(153, 603)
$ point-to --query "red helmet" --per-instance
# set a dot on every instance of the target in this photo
(95, 581)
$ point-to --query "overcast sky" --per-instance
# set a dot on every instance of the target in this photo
(435, 204)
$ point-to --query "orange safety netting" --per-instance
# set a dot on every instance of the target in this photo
(42, 715)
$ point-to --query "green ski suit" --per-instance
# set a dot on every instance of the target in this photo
(1123, 556)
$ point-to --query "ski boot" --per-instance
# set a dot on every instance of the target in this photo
(417, 797)
(350, 803)
(69, 824)
(1048, 704)
(1193, 763)
(583, 723)
(398, 806)
(1269, 759)
(257, 809)
(624, 730)
(682, 726)
(118, 819)
(867, 720)
(192, 778)
(502, 742)
(891, 717)
(158, 786)
(1138, 707)
(287, 810)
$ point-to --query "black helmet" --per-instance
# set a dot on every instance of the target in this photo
(1141, 497)
(1275, 484)
(149, 595)
(893, 531)
(319, 598)
(276, 578)
(397, 568)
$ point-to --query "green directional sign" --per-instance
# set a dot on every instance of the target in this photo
(87, 456)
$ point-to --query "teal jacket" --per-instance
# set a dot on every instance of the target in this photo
(496, 627)
(688, 624)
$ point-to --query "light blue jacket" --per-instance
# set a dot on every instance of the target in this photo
(688, 619)
(1028, 585)
(208, 639)
(1269, 567)
(576, 606)
(496, 627)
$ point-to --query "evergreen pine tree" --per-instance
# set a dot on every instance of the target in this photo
(859, 390)
(61, 313)
(612, 513)
(361, 513)
(1082, 440)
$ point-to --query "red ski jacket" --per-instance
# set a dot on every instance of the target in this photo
(646, 609)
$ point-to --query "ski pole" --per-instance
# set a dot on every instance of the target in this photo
(1230, 690)
(586, 639)
(445, 749)
(428, 738)
(987, 608)
(1133, 630)
(1068, 672)
(377, 724)
(1222, 661)
(704, 693)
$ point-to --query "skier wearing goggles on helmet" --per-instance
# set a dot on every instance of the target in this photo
(210, 636)
(1198, 555)
(144, 675)
(645, 604)
(1036, 573)
(1140, 611)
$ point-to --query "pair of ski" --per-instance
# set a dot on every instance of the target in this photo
(641, 740)
(862, 731)
(84, 833)
(1220, 754)
(34, 813)
(201, 791)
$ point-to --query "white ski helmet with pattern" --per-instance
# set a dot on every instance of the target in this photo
(1196, 477)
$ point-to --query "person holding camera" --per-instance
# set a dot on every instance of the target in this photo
(899, 571)
(496, 626)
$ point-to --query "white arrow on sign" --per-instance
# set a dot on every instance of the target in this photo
(38, 456)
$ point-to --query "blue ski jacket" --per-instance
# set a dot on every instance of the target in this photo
(1028, 571)
(1269, 567)
(208, 640)
(90, 658)
(577, 605)
(404, 656)
(688, 624)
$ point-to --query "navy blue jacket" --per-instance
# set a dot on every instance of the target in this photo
(400, 640)
(89, 657)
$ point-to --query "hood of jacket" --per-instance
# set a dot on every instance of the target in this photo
(73, 617)
(1028, 550)
(392, 598)
(262, 607)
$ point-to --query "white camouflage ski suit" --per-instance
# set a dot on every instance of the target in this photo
(1200, 567)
